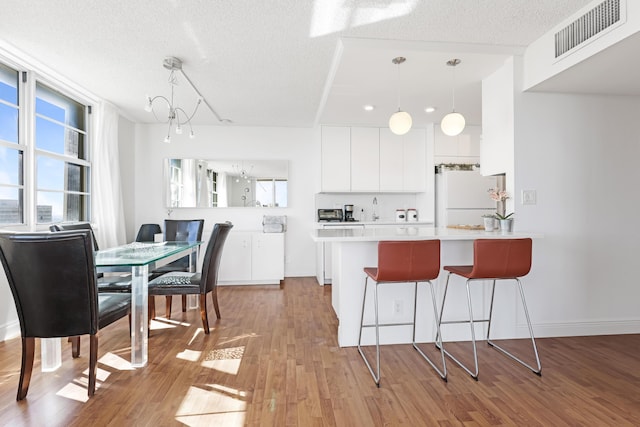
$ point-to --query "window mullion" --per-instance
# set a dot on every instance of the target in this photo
(27, 140)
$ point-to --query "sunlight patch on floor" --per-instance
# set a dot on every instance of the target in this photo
(160, 323)
(116, 362)
(74, 392)
(190, 355)
(195, 335)
(211, 407)
(226, 360)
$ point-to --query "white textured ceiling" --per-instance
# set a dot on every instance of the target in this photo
(282, 62)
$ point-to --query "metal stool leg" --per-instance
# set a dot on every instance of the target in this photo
(474, 375)
(443, 372)
(375, 375)
(538, 370)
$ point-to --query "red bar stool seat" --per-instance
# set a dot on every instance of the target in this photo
(493, 259)
(402, 262)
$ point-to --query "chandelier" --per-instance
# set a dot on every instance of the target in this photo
(177, 116)
(241, 173)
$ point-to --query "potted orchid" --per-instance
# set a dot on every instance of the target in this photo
(506, 220)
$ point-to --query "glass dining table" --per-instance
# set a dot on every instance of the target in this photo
(140, 258)
(137, 258)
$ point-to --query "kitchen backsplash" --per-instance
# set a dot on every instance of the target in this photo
(385, 208)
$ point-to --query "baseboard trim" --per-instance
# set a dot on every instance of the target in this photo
(603, 327)
(9, 330)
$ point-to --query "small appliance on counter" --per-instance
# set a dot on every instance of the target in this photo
(330, 215)
(274, 223)
(348, 213)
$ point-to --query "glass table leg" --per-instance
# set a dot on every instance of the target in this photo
(139, 317)
(51, 354)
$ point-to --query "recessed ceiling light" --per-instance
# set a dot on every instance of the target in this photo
(430, 109)
(369, 107)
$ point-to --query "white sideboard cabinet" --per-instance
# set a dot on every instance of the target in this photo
(252, 258)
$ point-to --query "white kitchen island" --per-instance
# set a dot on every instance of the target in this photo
(354, 249)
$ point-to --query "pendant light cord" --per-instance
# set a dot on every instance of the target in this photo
(398, 85)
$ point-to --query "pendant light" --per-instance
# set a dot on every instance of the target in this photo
(453, 123)
(400, 122)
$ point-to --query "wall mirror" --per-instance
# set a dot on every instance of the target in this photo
(199, 183)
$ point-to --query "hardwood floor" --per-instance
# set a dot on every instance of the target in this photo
(273, 360)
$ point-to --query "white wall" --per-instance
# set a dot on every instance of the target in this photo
(126, 151)
(580, 154)
(301, 147)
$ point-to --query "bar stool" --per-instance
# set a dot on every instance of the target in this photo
(493, 259)
(401, 262)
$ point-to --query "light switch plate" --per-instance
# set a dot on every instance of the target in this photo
(528, 197)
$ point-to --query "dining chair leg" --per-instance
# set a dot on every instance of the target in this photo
(75, 346)
(214, 297)
(152, 307)
(93, 363)
(28, 350)
(184, 303)
(203, 313)
(167, 309)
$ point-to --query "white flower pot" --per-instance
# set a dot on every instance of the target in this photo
(489, 224)
(506, 225)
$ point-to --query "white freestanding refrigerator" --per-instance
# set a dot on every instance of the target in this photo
(462, 197)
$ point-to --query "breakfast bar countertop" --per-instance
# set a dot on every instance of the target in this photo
(407, 232)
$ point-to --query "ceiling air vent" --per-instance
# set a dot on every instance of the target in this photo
(587, 26)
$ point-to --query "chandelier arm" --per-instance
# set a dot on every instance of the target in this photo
(184, 113)
(201, 98)
(152, 100)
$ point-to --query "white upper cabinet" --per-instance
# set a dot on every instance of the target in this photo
(336, 159)
(373, 160)
(414, 161)
(392, 161)
(403, 161)
(365, 159)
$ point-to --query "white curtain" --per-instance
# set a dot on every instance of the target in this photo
(108, 212)
(221, 187)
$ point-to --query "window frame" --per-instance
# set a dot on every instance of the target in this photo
(28, 76)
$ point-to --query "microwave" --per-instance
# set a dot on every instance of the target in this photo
(330, 215)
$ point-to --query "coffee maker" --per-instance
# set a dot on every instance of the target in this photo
(348, 213)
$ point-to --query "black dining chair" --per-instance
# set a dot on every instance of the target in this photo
(52, 277)
(177, 230)
(147, 232)
(76, 226)
(184, 283)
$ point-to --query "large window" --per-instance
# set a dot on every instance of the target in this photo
(11, 153)
(62, 167)
(44, 157)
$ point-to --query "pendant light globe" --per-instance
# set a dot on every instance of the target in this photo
(452, 124)
(400, 122)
